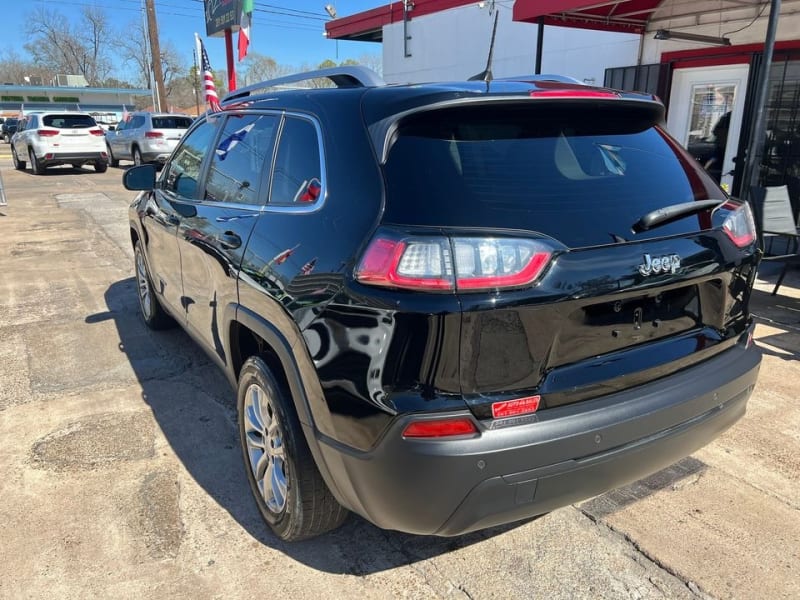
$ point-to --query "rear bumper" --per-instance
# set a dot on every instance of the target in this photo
(158, 157)
(62, 158)
(573, 452)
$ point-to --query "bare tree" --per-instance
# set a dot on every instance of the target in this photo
(258, 67)
(80, 49)
(134, 51)
(16, 70)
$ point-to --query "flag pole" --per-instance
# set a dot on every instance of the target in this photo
(229, 56)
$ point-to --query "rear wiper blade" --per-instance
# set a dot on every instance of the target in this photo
(661, 216)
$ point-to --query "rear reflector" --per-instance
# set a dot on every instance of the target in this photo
(440, 428)
(516, 407)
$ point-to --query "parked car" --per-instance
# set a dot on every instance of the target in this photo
(146, 137)
(8, 128)
(48, 139)
(446, 307)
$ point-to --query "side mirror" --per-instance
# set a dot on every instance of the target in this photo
(111, 128)
(140, 178)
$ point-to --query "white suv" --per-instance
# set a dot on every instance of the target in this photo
(146, 137)
(47, 139)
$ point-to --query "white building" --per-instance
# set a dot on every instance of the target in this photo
(702, 57)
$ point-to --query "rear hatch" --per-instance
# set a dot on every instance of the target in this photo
(168, 129)
(573, 280)
(71, 132)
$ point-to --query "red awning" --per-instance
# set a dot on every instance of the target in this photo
(626, 16)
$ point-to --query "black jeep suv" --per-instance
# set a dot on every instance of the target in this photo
(450, 306)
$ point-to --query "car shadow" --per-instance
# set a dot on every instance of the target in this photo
(194, 406)
(780, 316)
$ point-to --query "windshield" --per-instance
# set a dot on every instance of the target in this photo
(581, 175)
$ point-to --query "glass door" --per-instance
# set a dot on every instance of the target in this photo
(705, 115)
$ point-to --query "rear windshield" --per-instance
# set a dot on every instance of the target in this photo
(171, 122)
(69, 121)
(583, 175)
(12, 121)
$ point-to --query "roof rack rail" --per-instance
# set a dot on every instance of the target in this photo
(342, 77)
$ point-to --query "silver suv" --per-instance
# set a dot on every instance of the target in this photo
(146, 137)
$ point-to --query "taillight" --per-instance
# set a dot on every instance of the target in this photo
(417, 263)
(461, 263)
(739, 224)
(487, 263)
(47, 132)
(153, 134)
(438, 428)
(97, 131)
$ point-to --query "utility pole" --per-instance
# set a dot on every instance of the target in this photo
(155, 54)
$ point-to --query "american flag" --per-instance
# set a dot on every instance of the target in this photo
(208, 79)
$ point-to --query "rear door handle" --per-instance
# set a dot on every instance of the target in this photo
(229, 240)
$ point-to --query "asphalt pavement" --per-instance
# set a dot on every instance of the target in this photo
(121, 475)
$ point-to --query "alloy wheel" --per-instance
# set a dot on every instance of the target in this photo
(265, 448)
(143, 281)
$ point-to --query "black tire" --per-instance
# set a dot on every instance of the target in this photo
(137, 156)
(19, 165)
(36, 166)
(100, 166)
(114, 162)
(272, 441)
(153, 314)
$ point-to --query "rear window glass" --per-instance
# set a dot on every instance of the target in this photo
(582, 175)
(69, 121)
(171, 122)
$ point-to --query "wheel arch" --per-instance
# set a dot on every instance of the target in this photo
(248, 335)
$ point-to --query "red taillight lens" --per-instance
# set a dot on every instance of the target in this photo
(96, 131)
(47, 132)
(739, 224)
(489, 263)
(153, 134)
(516, 407)
(438, 428)
(417, 263)
(463, 263)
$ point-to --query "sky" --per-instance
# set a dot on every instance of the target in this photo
(289, 31)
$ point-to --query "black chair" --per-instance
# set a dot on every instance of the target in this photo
(775, 223)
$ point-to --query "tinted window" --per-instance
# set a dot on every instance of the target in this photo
(582, 175)
(171, 122)
(241, 157)
(67, 121)
(183, 171)
(297, 174)
(10, 122)
(136, 122)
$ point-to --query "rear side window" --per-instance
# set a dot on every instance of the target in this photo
(297, 177)
(581, 174)
(67, 121)
(242, 156)
(171, 122)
